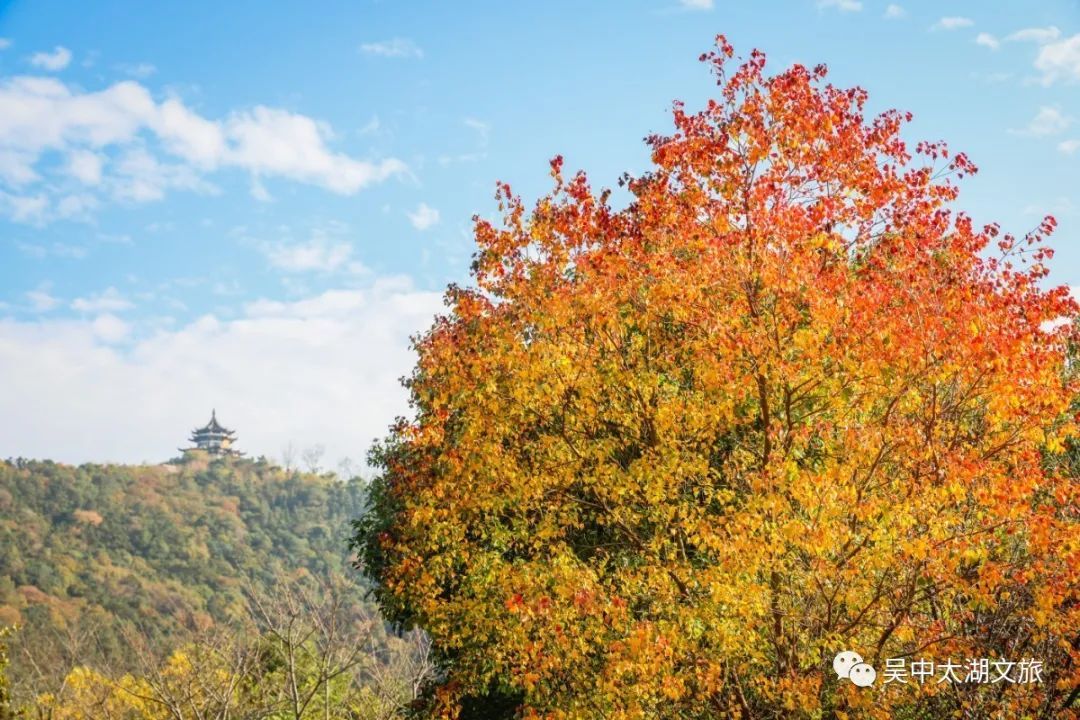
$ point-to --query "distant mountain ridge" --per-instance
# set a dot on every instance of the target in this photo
(165, 547)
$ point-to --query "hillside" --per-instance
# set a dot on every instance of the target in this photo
(86, 550)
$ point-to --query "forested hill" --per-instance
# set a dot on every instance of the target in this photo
(163, 546)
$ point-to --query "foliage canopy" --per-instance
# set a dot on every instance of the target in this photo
(667, 460)
(86, 551)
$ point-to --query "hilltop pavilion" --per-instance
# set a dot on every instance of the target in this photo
(213, 438)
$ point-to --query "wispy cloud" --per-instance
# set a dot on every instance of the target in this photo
(41, 300)
(1069, 147)
(273, 142)
(1048, 121)
(259, 191)
(697, 4)
(1058, 58)
(1037, 35)
(24, 208)
(141, 177)
(77, 206)
(423, 217)
(55, 61)
(482, 128)
(894, 12)
(5, 43)
(987, 40)
(393, 48)
(141, 70)
(132, 147)
(325, 249)
(1058, 206)
(333, 359)
(42, 251)
(109, 329)
(952, 23)
(108, 301)
(85, 166)
(319, 253)
(371, 126)
(841, 5)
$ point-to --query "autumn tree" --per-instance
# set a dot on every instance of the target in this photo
(667, 460)
(7, 709)
(303, 653)
(314, 645)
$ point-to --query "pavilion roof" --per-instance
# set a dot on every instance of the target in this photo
(213, 427)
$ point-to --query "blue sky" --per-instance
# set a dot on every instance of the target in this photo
(252, 205)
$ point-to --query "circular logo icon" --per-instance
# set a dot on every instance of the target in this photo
(844, 661)
(862, 674)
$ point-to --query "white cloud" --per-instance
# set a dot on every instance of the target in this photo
(77, 206)
(139, 70)
(24, 208)
(393, 48)
(323, 369)
(1058, 207)
(1069, 147)
(17, 167)
(1048, 121)
(266, 141)
(697, 4)
(85, 166)
(5, 43)
(259, 191)
(841, 5)
(1036, 35)
(187, 134)
(326, 248)
(894, 12)
(1059, 60)
(952, 23)
(141, 177)
(40, 251)
(320, 253)
(987, 40)
(57, 60)
(41, 301)
(371, 126)
(110, 329)
(423, 217)
(44, 115)
(482, 128)
(108, 301)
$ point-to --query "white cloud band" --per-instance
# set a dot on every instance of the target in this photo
(115, 140)
(323, 369)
